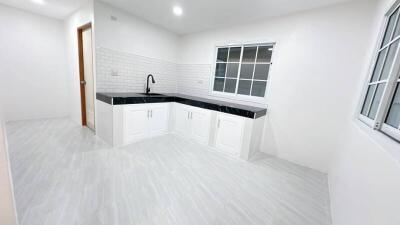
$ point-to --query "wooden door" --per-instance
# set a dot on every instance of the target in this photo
(86, 76)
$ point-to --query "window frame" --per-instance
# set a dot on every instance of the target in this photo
(391, 82)
(236, 96)
(387, 129)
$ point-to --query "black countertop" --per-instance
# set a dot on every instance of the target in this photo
(220, 106)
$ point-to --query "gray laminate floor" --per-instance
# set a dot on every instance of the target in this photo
(64, 175)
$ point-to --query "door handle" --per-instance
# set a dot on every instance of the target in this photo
(83, 82)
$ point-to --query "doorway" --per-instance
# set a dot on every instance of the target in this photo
(86, 75)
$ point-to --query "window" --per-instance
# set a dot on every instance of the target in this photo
(242, 70)
(381, 104)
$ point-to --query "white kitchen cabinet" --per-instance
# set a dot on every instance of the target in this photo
(193, 122)
(144, 120)
(200, 124)
(135, 123)
(182, 122)
(229, 134)
(158, 119)
(237, 136)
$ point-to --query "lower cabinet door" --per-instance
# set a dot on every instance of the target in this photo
(200, 125)
(136, 121)
(229, 133)
(159, 117)
(181, 120)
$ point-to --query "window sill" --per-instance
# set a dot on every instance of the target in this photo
(392, 132)
(248, 100)
(385, 129)
(381, 139)
(367, 121)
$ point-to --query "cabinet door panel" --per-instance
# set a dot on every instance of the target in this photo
(200, 124)
(229, 134)
(135, 123)
(182, 125)
(159, 115)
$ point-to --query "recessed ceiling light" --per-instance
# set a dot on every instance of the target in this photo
(177, 10)
(40, 2)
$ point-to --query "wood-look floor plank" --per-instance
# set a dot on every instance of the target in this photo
(64, 175)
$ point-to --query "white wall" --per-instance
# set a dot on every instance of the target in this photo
(364, 176)
(364, 180)
(129, 48)
(318, 59)
(81, 17)
(133, 35)
(32, 66)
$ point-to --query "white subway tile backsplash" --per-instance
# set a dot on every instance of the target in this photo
(125, 72)
(194, 79)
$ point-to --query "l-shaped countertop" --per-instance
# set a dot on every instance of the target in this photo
(205, 103)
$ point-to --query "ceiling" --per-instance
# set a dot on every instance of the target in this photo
(58, 9)
(197, 15)
(205, 14)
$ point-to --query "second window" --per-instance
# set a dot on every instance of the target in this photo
(243, 70)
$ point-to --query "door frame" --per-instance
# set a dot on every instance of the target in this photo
(82, 71)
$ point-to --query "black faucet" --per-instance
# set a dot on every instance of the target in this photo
(147, 85)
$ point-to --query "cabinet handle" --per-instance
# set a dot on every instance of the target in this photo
(151, 113)
(148, 113)
(191, 115)
(219, 121)
(188, 115)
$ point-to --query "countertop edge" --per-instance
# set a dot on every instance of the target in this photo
(184, 99)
